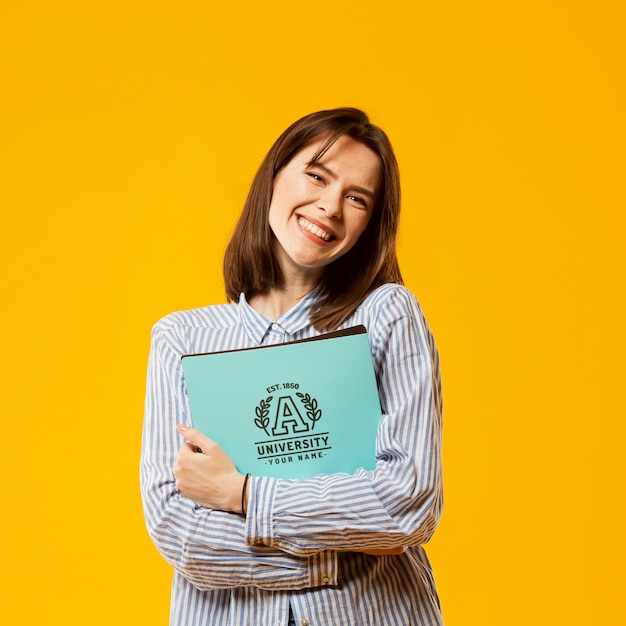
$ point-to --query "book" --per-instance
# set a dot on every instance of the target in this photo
(290, 410)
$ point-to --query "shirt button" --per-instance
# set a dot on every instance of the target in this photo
(325, 579)
(275, 326)
(304, 622)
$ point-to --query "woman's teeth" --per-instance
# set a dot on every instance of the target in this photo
(312, 228)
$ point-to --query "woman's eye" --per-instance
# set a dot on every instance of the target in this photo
(358, 200)
(315, 177)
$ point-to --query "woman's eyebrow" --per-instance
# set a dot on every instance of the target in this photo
(364, 190)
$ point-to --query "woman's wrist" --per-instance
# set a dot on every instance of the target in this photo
(244, 496)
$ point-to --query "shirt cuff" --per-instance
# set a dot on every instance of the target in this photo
(323, 565)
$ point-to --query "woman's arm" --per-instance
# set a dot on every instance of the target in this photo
(398, 503)
(206, 546)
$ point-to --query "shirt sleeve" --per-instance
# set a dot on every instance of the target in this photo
(206, 547)
(397, 504)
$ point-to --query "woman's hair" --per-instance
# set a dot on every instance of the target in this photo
(249, 262)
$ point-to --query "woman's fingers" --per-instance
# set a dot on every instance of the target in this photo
(195, 437)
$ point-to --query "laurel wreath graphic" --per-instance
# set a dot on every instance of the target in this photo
(262, 411)
(310, 404)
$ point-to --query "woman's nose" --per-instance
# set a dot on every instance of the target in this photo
(330, 203)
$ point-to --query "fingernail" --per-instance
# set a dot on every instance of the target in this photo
(182, 428)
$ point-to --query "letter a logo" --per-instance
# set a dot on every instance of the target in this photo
(288, 418)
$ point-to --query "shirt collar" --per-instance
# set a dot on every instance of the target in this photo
(291, 321)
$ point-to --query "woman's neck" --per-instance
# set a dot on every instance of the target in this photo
(297, 282)
(274, 302)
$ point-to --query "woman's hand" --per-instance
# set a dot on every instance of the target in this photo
(206, 474)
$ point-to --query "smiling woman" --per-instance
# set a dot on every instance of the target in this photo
(320, 208)
(367, 177)
(314, 250)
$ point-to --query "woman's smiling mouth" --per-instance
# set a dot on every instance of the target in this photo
(315, 230)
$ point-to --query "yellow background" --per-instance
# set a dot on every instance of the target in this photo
(129, 134)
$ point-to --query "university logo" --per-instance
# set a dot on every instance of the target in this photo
(288, 419)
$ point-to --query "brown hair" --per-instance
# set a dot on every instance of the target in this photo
(249, 262)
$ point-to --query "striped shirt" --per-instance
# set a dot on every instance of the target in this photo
(300, 546)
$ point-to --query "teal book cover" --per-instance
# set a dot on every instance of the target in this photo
(291, 410)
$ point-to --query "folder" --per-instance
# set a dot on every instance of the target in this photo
(290, 410)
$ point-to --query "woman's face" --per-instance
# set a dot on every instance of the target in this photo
(318, 211)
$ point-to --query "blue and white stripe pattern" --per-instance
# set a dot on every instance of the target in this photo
(300, 545)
